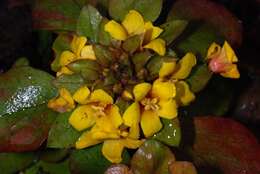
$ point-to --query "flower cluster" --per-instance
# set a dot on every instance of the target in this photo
(95, 110)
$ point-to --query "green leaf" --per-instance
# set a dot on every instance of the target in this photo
(89, 22)
(132, 44)
(103, 54)
(23, 61)
(79, 65)
(62, 134)
(199, 77)
(154, 66)
(56, 15)
(104, 37)
(152, 157)
(14, 162)
(24, 87)
(91, 160)
(54, 155)
(118, 9)
(150, 9)
(140, 60)
(170, 134)
(172, 29)
(71, 82)
(61, 43)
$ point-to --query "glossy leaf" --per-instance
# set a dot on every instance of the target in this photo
(199, 78)
(103, 54)
(211, 13)
(226, 144)
(62, 134)
(88, 23)
(152, 157)
(104, 37)
(56, 15)
(54, 155)
(172, 29)
(140, 60)
(91, 160)
(118, 169)
(14, 162)
(119, 8)
(132, 44)
(170, 134)
(153, 66)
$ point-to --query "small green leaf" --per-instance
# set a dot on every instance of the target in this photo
(71, 82)
(172, 29)
(14, 162)
(154, 66)
(141, 59)
(170, 134)
(103, 54)
(199, 78)
(23, 61)
(152, 157)
(150, 9)
(91, 160)
(79, 65)
(104, 37)
(132, 44)
(89, 22)
(54, 155)
(119, 8)
(62, 134)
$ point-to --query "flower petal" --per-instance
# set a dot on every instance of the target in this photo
(114, 116)
(77, 44)
(86, 140)
(167, 68)
(163, 90)
(81, 95)
(82, 117)
(112, 150)
(100, 95)
(184, 93)
(141, 90)
(151, 32)
(232, 72)
(185, 66)
(231, 56)
(150, 123)
(133, 23)
(87, 52)
(64, 93)
(134, 131)
(168, 109)
(213, 50)
(64, 70)
(132, 114)
(157, 45)
(131, 144)
(67, 57)
(116, 30)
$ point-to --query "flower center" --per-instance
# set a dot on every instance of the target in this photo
(99, 110)
(123, 131)
(150, 104)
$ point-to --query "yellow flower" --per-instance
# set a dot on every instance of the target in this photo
(151, 103)
(79, 50)
(134, 24)
(111, 130)
(175, 72)
(222, 60)
(63, 103)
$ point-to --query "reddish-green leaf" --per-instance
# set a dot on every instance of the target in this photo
(225, 144)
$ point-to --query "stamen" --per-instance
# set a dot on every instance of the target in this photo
(150, 104)
(99, 110)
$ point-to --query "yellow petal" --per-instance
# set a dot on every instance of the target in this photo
(157, 45)
(213, 49)
(168, 109)
(86, 140)
(64, 70)
(232, 72)
(141, 90)
(156, 31)
(66, 58)
(82, 117)
(131, 143)
(231, 56)
(64, 93)
(114, 116)
(132, 114)
(150, 123)
(78, 42)
(167, 69)
(59, 105)
(184, 93)
(81, 95)
(163, 90)
(100, 95)
(133, 23)
(116, 30)
(185, 66)
(87, 52)
(112, 150)
(134, 131)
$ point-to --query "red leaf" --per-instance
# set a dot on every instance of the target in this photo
(226, 144)
(214, 14)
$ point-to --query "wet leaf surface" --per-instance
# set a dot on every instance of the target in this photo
(225, 144)
(152, 157)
